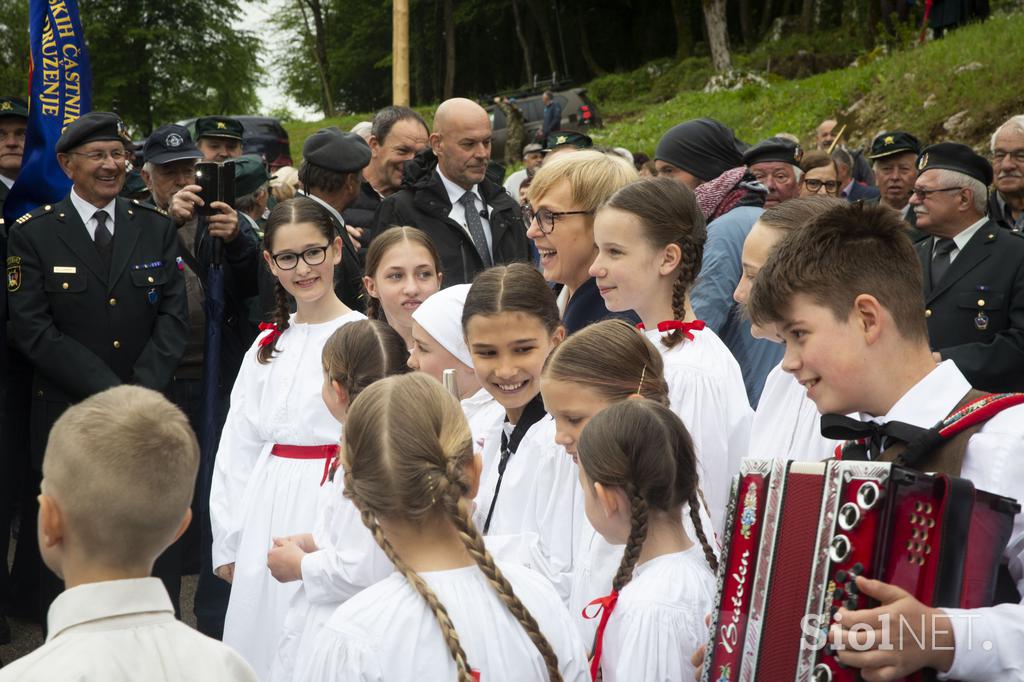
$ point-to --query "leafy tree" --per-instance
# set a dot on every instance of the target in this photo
(14, 49)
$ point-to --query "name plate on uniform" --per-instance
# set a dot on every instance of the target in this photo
(65, 270)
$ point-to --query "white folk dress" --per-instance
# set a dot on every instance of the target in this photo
(256, 496)
(481, 410)
(387, 632)
(539, 511)
(787, 424)
(705, 387)
(658, 622)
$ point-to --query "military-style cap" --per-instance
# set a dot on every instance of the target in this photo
(133, 184)
(894, 142)
(955, 157)
(532, 147)
(13, 106)
(573, 138)
(336, 151)
(96, 126)
(169, 143)
(774, 149)
(218, 126)
(250, 174)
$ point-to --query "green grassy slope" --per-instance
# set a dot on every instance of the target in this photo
(918, 89)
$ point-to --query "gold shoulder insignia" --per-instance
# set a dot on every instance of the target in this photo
(151, 207)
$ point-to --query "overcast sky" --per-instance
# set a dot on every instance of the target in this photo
(255, 18)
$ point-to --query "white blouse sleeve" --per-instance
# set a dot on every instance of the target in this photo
(655, 645)
(340, 657)
(336, 572)
(239, 449)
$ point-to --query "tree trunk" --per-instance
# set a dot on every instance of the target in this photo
(449, 49)
(747, 22)
(684, 31)
(874, 18)
(537, 10)
(806, 15)
(588, 55)
(718, 34)
(766, 17)
(318, 36)
(523, 44)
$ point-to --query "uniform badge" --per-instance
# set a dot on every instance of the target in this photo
(922, 163)
(221, 125)
(151, 296)
(889, 140)
(981, 321)
(173, 140)
(561, 139)
(122, 131)
(798, 154)
(6, 106)
(13, 273)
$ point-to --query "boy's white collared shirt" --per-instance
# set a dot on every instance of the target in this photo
(124, 630)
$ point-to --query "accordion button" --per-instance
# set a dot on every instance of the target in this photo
(857, 569)
(851, 604)
(839, 594)
(913, 518)
(918, 506)
(840, 576)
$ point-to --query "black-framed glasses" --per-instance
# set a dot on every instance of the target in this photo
(545, 218)
(814, 185)
(314, 255)
(98, 156)
(923, 194)
(1016, 156)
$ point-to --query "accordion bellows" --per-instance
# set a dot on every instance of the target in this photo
(798, 533)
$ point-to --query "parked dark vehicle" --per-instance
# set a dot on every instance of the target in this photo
(263, 136)
(578, 113)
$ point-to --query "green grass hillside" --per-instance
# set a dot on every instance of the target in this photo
(960, 87)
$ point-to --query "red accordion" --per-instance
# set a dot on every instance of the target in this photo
(800, 532)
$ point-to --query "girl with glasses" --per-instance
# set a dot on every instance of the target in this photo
(279, 438)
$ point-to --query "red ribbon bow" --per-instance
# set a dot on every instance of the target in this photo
(605, 606)
(272, 336)
(672, 325)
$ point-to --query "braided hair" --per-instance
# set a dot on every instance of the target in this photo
(359, 353)
(379, 248)
(669, 214)
(290, 212)
(408, 449)
(642, 447)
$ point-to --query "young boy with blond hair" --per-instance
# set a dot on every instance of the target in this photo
(845, 293)
(118, 476)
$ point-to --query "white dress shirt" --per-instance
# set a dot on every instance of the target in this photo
(9, 182)
(458, 212)
(988, 640)
(88, 213)
(961, 239)
(124, 630)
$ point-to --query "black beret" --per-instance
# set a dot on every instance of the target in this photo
(955, 157)
(96, 126)
(895, 142)
(774, 149)
(336, 151)
(560, 138)
(169, 143)
(218, 126)
(250, 174)
(13, 106)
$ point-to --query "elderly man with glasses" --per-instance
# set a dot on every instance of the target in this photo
(1006, 204)
(973, 270)
(96, 299)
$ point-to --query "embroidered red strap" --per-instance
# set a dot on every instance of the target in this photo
(325, 452)
(978, 411)
(272, 336)
(605, 606)
(672, 325)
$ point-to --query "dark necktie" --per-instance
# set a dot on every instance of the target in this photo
(878, 437)
(476, 228)
(941, 252)
(103, 237)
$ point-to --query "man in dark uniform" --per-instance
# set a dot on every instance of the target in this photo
(13, 123)
(973, 270)
(94, 294)
(894, 161)
(330, 174)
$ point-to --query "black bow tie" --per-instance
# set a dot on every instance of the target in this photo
(878, 437)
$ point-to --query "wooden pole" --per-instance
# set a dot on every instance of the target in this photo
(400, 53)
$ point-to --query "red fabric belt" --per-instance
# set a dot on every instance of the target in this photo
(325, 452)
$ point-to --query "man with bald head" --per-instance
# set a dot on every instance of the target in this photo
(826, 133)
(472, 221)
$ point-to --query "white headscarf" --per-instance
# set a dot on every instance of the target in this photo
(441, 317)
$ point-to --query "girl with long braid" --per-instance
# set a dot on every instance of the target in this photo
(279, 438)
(638, 470)
(448, 612)
(650, 239)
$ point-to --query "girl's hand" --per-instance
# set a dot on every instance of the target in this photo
(225, 572)
(285, 560)
(304, 541)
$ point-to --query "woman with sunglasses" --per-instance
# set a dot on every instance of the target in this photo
(821, 177)
(562, 199)
(279, 439)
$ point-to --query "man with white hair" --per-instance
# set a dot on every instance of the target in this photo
(1006, 205)
(973, 270)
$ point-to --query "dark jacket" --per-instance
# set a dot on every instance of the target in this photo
(976, 313)
(423, 203)
(363, 209)
(552, 117)
(998, 213)
(863, 192)
(85, 329)
(587, 306)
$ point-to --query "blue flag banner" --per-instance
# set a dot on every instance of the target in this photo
(60, 90)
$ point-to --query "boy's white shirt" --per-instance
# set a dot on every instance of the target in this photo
(994, 462)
